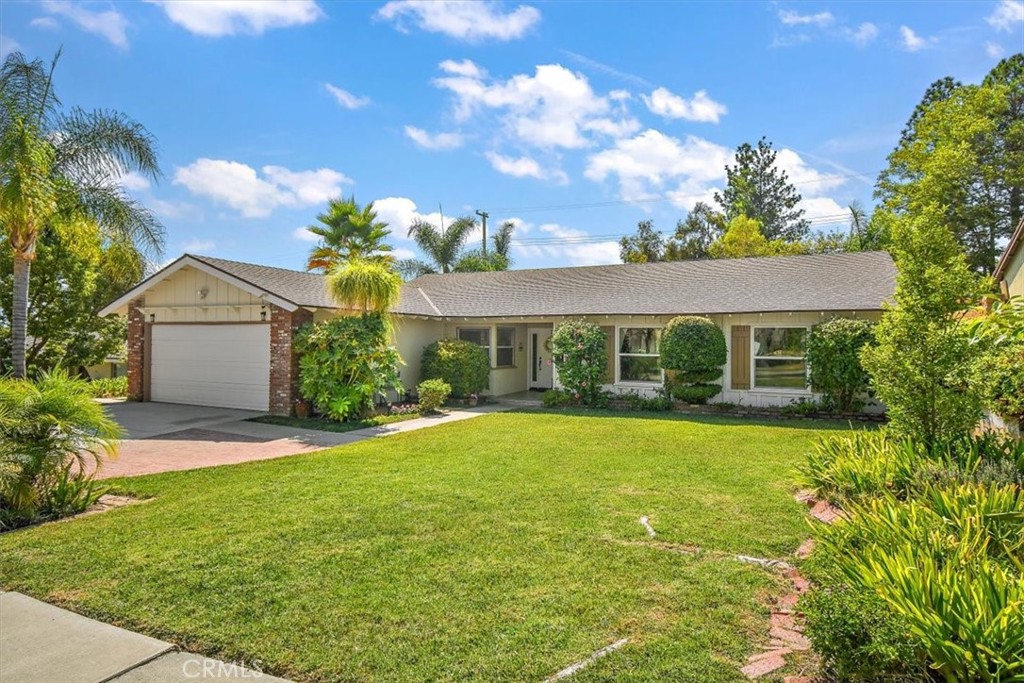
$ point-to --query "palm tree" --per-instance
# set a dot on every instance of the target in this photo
(366, 284)
(64, 168)
(442, 247)
(348, 232)
(503, 239)
(477, 260)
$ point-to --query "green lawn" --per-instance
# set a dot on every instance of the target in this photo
(497, 549)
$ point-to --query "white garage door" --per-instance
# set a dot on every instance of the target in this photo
(221, 365)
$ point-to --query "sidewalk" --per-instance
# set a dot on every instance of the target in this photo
(40, 643)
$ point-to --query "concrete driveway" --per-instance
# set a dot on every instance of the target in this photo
(164, 437)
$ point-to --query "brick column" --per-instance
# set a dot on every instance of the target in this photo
(284, 362)
(136, 345)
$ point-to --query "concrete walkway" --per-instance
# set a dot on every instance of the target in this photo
(40, 643)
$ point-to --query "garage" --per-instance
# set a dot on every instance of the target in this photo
(221, 365)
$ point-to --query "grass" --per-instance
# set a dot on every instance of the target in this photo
(502, 548)
(331, 425)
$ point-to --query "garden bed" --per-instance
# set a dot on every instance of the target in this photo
(779, 413)
(322, 424)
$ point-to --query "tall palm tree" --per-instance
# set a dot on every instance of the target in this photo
(372, 286)
(63, 168)
(442, 247)
(347, 232)
(503, 239)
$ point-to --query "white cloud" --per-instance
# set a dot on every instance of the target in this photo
(468, 20)
(166, 209)
(1006, 14)
(109, 24)
(911, 41)
(8, 45)
(523, 167)
(134, 181)
(466, 68)
(550, 109)
(793, 18)
(345, 98)
(48, 23)
(401, 253)
(196, 245)
(701, 108)
(230, 17)
(305, 235)
(862, 35)
(573, 245)
(994, 50)
(433, 141)
(242, 188)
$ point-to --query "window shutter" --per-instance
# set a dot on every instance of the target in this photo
(609, 350)
(740, 349)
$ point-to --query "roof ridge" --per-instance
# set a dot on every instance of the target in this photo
(254, 265)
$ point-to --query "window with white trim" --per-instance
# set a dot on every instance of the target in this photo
(505, 347)
(638, 354)
(481, 336)
(779, 358)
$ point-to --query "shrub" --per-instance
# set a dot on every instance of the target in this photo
(804, 407)
(49, 431)
(859, 638)
(346, 363)
(462, 364)
(433, 393)
(556, 398)
(693, 350)
(578, 351)
(999, 376)
(634, 401)
(109, 387)
(833, 355)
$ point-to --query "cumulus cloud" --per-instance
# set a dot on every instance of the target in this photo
(464, 68)
(108, 24)
(345, 98)
(435, 141)
(134, 181)
(575, 246)
(472, 21)
(524, 167)
(305, 235)
(911, 41)
(862, 35)
(1007, 15)
(794, 18)
(700, 108)
(197, 245)
(254, 195)
(217, 18)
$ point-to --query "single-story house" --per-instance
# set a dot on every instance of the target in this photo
(208, 331)
(1009, 273)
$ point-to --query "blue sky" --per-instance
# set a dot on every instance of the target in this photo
(575, 119)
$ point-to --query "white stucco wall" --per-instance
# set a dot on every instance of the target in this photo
(1015, 274)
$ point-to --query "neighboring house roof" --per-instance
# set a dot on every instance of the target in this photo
(821, 282)
(1015, 244)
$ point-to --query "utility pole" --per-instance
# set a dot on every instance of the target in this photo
(483, 216)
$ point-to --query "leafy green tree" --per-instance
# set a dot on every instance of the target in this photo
(757, 188)
(694, 235)
(579, 354)
(81, 274)
(442, 246)
(347, 231)
(833, 355)
(963, 149)
(59, 168)
(743, 238)
(364, 284)
(646, 246)
(922, 360)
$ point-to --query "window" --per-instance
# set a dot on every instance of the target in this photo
(481, 336)
(638, 354)
(505, 348)
(779, 358)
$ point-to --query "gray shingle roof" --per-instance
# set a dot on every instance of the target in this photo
(301, 288)
(820, 282)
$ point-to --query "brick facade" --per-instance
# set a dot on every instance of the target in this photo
(284, 362)
(136, 349)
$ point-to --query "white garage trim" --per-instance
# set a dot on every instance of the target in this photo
(222, 365)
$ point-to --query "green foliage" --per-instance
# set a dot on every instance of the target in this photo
(348, 232)
(556, 398)
(50, 430)
(462, 364)
(833, 354)
(578, 352)
(109, 387)
(859, 638)
(69, 494)
(635, 401)
(476, 261)
(758, 189)
(743, 238)
(694, 236)
(921, 363)
(646, 246)
(1003, 323)
(693, 351)
(999, 376)
(805, 407)
(346, 363)
(432, 394)
(364, 284)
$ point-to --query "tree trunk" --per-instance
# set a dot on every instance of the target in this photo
(19, 316)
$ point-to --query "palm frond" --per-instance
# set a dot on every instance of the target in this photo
(503, 238)
(107, 143)
(411, 268)
(365, 285)
(118, 215)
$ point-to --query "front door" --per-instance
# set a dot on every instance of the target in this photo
(541, 371)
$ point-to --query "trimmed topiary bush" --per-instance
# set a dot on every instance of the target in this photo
(432, 394)
(578, 351)
(833, 354)
(464, 365)
(693, 351)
